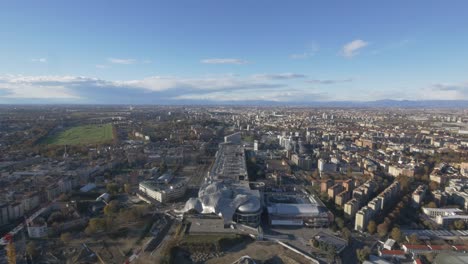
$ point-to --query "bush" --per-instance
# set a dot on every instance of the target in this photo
(363, 254)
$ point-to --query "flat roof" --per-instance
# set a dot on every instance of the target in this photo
(215, 225)
(176, 183)
(293, 209)
(451, 258)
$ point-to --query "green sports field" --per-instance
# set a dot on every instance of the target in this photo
(82, 135)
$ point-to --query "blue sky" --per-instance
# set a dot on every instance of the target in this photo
(219, 51)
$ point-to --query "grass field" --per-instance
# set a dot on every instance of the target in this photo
(89, 134)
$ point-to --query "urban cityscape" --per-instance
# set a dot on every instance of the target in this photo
(123, 184)
(233, 132)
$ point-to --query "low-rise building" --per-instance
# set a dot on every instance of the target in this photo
(434, 212)
(405, 170)
(164, 192)
(297, 211)
(37, 229)
(416, 249)
(446, 220)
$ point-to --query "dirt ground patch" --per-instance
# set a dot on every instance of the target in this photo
(262, 252)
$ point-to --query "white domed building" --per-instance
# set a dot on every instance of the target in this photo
(226, 192)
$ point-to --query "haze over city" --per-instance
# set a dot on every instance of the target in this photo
(232, 51)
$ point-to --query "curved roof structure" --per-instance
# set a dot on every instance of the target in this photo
(224, 200)
(227, 191)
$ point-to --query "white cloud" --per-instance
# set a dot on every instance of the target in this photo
(451, 86)
(451, 91)
(122, 61)
(41, 60)
(224, 61)
(47, 87)
(163, 83)
(352, 48)
(329, 81)
(102, 66)
(167, 89)
(274, 95)
(38, 87)
(279, 76)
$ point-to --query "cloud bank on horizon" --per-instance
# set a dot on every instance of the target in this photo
(167, 89)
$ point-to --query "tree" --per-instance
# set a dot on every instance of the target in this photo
(346, 234)
(162, 166)
(426, 170)
(63, 197)
(339, 222)
(112, 188)
(31, 249)
(413, 239)
(382, 229)
(315, 243)
(334, 227)
(363, 254)
(396, 234)
(95, 225)
(429, 224)
(433, 185)
(127, 188)
(89, 231)
(111, 208)
(55, 217)
(401, 204)
(331, 252)
(371, 227)
(430, 257)
(404, 182)
(459, 225)
(315, 174)
(65, 238)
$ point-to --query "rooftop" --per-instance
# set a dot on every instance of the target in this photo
(176, 183)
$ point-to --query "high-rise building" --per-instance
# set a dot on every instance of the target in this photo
(363, 217)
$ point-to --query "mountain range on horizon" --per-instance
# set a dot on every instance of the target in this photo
(385, 103)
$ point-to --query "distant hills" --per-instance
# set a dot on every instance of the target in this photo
(387, 103)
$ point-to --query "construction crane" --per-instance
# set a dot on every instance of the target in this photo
(10, 248)
(7, 240)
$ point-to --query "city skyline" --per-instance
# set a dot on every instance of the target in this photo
(232, 52)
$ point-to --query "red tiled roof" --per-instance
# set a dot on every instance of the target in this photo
(440, 247)
(392, 252)
(461, 247)
(415, 246)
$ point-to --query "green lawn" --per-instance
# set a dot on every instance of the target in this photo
(89, 134)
